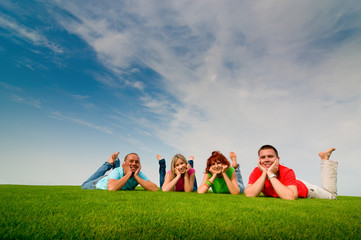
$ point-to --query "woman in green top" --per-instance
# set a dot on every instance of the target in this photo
(219, 175)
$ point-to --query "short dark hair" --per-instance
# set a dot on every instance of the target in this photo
(125, 159)
(268, 147)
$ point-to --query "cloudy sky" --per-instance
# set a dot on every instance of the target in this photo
(82, 79)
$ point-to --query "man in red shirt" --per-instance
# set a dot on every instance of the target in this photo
(275, 180)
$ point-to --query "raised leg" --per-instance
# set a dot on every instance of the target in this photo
(99, 174)
(328, 172)
(195, 186)
(318, 192)
(116, 163)
(235, 165)
(162, 169)
(239, 179)
(328, 177)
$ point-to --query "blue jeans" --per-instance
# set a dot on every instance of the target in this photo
(99, 174)
(239, 179)
(162, 173)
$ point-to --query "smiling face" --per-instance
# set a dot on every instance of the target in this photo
(179, 162)
(267, 157)
(133, 161)
(216, 162)
(216, 165)
(180, 165)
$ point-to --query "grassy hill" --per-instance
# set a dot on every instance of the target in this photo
(67, 212)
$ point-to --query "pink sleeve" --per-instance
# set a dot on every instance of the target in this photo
(191, 171)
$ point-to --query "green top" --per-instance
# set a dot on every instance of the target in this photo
(219, 184)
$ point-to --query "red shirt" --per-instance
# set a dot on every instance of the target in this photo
(285, 175)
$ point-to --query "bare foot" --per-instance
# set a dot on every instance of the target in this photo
(233, 157)
(191, 158)
(326, 154)
(113, 157)
(159, 157)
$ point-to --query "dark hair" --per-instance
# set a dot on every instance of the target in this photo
(268, 147)
(125, 159)
(217, 156)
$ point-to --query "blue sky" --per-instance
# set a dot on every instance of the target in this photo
(80, 80)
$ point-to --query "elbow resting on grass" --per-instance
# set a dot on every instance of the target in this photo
(293, 196)
(249, 194)
(154, 189)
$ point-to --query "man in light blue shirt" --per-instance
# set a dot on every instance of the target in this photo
(124, 177)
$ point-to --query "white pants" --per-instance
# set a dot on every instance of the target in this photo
(329, 182)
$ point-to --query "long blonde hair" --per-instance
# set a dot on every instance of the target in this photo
(174, 160)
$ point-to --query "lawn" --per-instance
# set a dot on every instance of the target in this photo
(67, 212)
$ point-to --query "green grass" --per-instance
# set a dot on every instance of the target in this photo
(67, 212)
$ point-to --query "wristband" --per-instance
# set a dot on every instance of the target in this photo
(209, 183)
(272, 176)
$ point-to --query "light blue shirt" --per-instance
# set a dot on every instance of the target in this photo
(117, 174)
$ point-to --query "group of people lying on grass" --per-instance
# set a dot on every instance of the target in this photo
(269, 177)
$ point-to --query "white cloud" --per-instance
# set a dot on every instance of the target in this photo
(10, 87)
(242, 74)
(17, 94)
(30, 64)
(26, 100)
(28, 34)
(60, 116)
